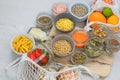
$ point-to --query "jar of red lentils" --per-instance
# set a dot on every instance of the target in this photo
(80, 37)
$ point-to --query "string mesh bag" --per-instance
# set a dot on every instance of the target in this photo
(99, 5)
(29, 70)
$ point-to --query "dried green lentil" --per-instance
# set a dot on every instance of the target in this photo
(44, 19)
(79, 58)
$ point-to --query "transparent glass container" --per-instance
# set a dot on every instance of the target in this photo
(59, 8)
(44, 21)
(112, 44)
(80, 37)
(94, 47)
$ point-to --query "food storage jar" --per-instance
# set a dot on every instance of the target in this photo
(80, 37)
(59, 8)
(94, 47)
(44, 21)
(78, 57)
(112, 44)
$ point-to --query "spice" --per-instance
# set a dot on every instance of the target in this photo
(79, 10)
(65, 24)
(94, 47)
(62, 47)
(80, 38)
(44, 21)
(59, 8)
(100, 32)
(79, 58)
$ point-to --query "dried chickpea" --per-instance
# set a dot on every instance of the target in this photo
(62, 47)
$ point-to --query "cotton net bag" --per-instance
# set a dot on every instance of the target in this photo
(98, 6)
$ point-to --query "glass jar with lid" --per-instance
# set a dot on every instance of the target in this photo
(112, 43)
(44, 21)
(94, 47)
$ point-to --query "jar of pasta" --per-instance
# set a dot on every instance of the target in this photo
(94, 47)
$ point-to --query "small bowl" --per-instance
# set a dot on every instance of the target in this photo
(64, 15)
(78, 52)
(63, 37)
(82, 18)
(29, 37)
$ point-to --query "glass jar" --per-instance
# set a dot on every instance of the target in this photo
(101, 32)
(80, 37)
(94, 48)
(59, 8)
(44, 21)
(112, 44)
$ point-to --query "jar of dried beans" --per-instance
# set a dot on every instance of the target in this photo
(112, 44)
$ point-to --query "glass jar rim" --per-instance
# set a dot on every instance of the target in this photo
(44, 14)
(114, 37)
(100, 40)
(82, 31)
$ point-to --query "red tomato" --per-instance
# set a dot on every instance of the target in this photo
(44, 60)
(32, 56)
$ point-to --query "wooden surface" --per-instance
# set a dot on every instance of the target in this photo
(100, 65)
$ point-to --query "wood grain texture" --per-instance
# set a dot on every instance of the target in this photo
(100, 65)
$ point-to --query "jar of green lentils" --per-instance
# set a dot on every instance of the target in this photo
(44, 21)
(94, 48)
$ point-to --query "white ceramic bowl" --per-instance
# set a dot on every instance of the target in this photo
(29, 37)
(79, 19)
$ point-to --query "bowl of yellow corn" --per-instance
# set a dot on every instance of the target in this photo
(64, 22)
(22, 44)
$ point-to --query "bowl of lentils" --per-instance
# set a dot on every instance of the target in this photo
(62, 45)
(80, 10)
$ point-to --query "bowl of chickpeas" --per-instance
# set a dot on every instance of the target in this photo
(62, 45)
(64, 22)
(22, 44)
